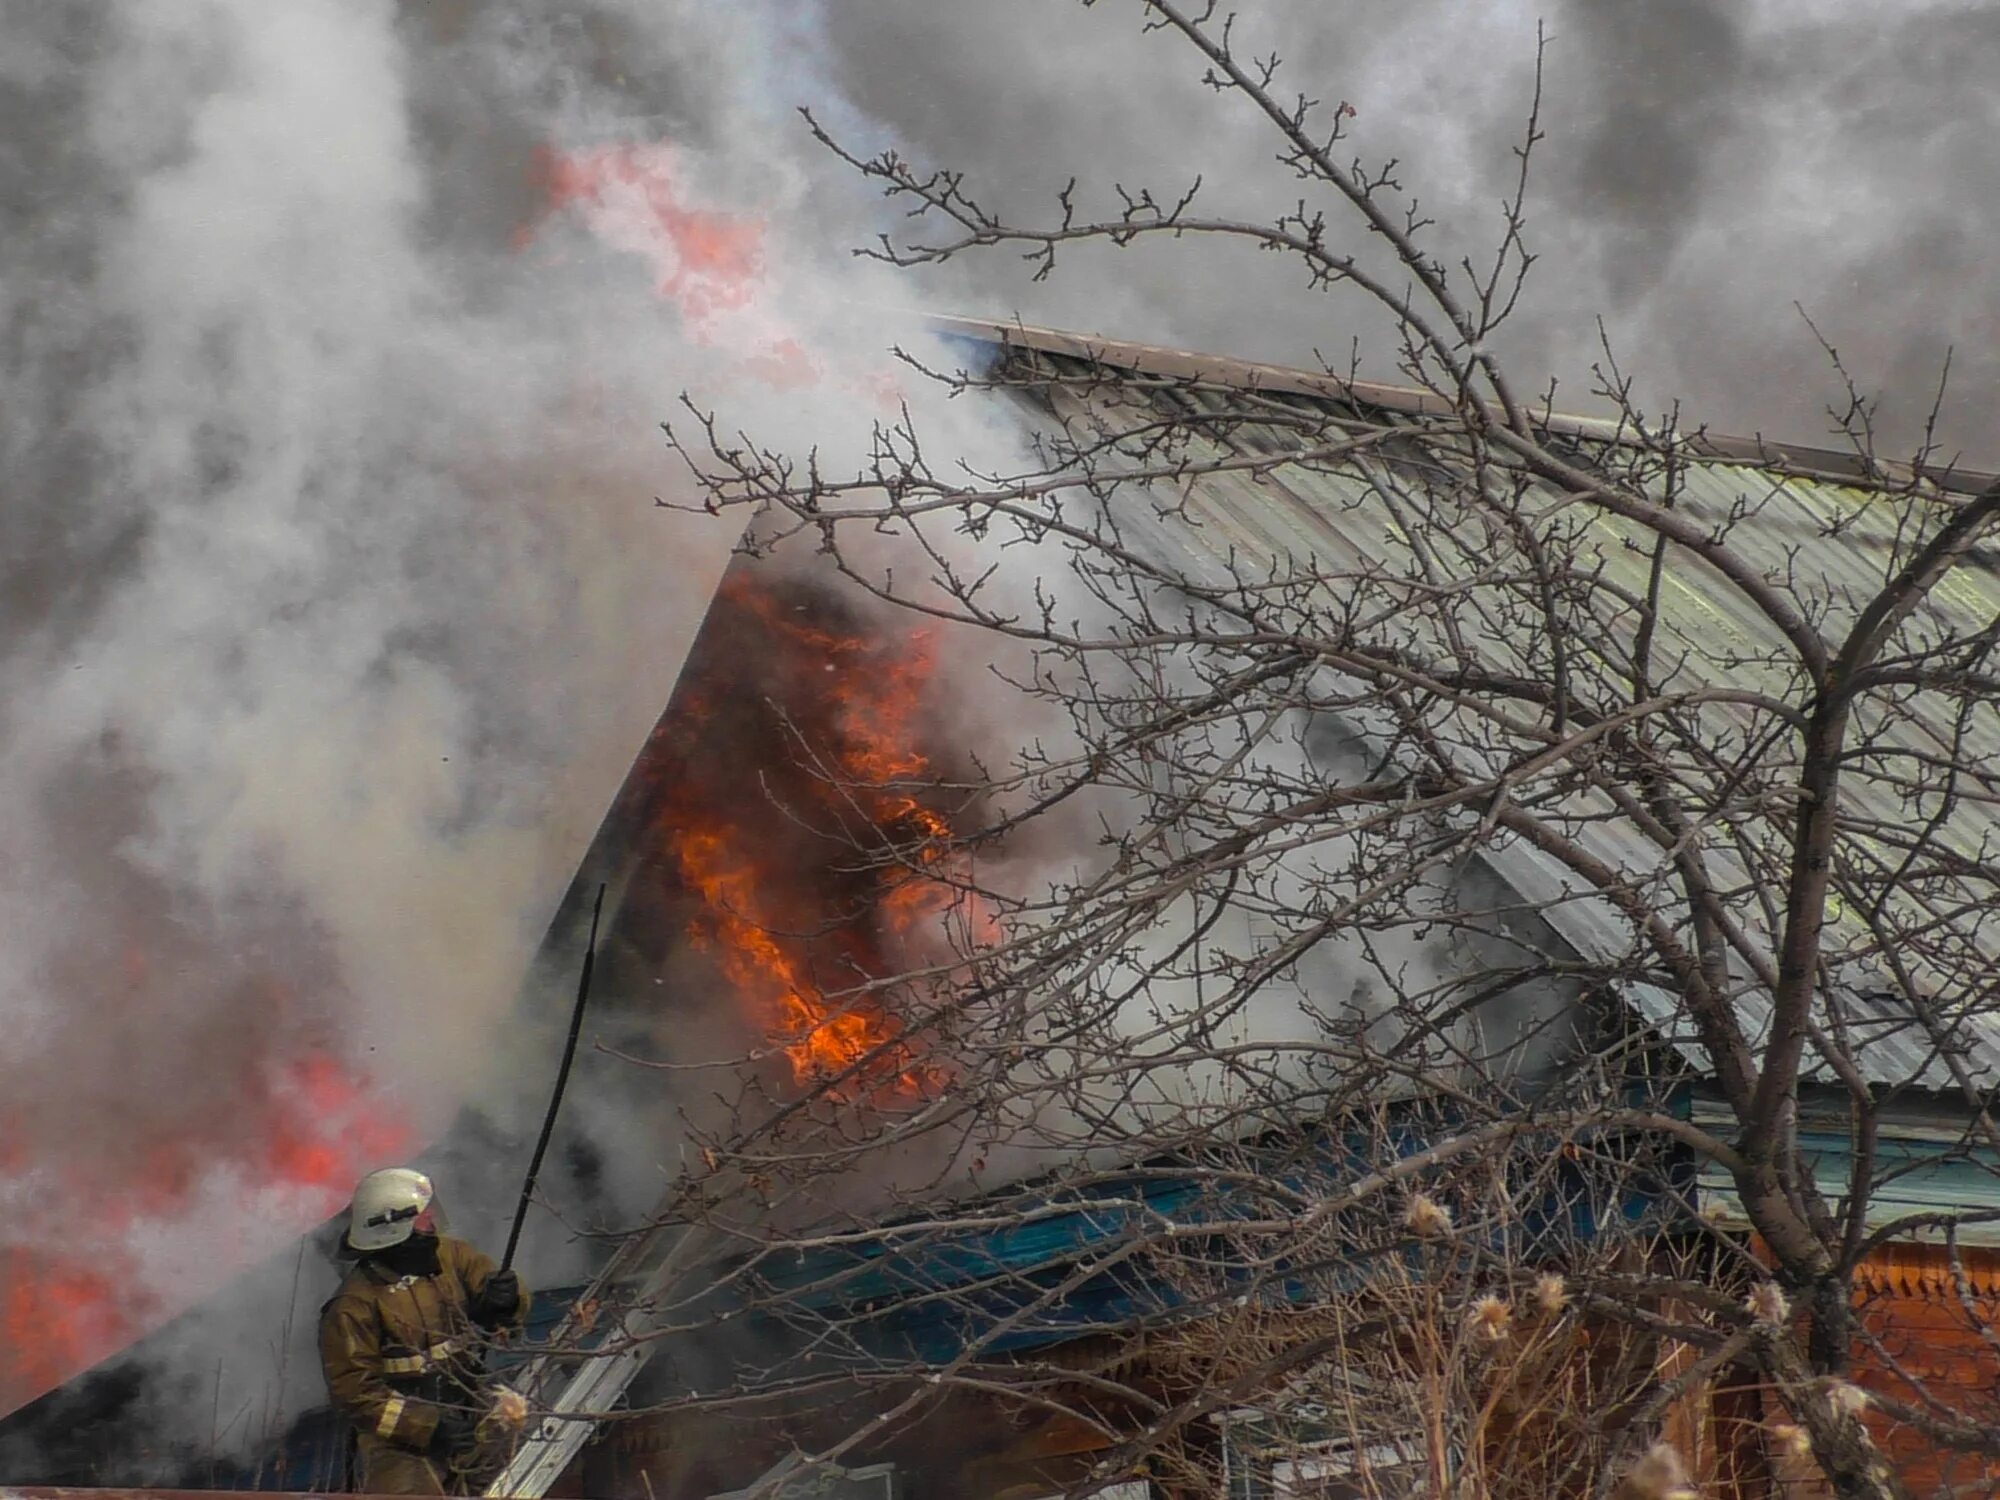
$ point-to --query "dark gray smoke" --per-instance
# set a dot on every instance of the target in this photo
(1708, 163)
(1655, 115)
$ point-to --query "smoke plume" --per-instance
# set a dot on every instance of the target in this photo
(334, 603)
(336, 599)
(1708, 164)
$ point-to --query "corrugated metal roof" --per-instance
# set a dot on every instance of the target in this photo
(1838, 465)
(1833, 538)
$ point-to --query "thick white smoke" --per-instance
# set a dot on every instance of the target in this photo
(334, 599)
(338, 598)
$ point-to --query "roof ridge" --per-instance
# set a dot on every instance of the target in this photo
(1803, 460)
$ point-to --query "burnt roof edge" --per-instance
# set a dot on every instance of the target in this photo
(1797, 460)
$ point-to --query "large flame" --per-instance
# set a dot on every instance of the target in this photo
(810, 890)
(804, 817)
(73, 1292)
(305, 1125)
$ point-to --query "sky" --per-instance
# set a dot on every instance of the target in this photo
(333, 597)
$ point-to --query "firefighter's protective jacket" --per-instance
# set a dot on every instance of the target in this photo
(397, 1349)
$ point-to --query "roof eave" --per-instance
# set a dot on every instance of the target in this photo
(1840, 466)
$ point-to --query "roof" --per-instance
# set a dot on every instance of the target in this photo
(1805, 460)
(1826, 519)
(1038, 1264)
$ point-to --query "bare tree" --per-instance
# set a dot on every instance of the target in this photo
(1441, 793)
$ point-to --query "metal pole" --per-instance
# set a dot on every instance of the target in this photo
(562, 1079)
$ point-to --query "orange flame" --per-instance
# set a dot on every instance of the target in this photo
(709, 264)
(631, 197)
(327, 1128)
(826, 867)
(57, 1319)
(821, 1040)
(71, 1294)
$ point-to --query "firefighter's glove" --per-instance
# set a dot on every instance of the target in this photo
(498, 1300)
(455, 1439)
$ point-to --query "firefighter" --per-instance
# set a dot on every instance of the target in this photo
(402, 1342)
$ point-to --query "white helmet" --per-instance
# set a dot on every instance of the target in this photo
(391, 1205)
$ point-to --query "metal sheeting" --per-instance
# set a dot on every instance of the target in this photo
(1831, 541)
(1913, 1176)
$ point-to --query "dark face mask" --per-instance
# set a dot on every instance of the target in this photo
(415, 1256)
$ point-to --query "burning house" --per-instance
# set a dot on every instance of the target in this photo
(823, 1253)
(777, 843)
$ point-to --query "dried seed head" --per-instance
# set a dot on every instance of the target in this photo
(1658, 1475)
(1427, 1218)
(1766, 1303)
(1550, 1294)
(510, 1408)
(1791, 1439)
(1847, 1398)
(1492, 1317)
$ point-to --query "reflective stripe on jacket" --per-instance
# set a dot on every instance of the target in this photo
(397, 1349)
